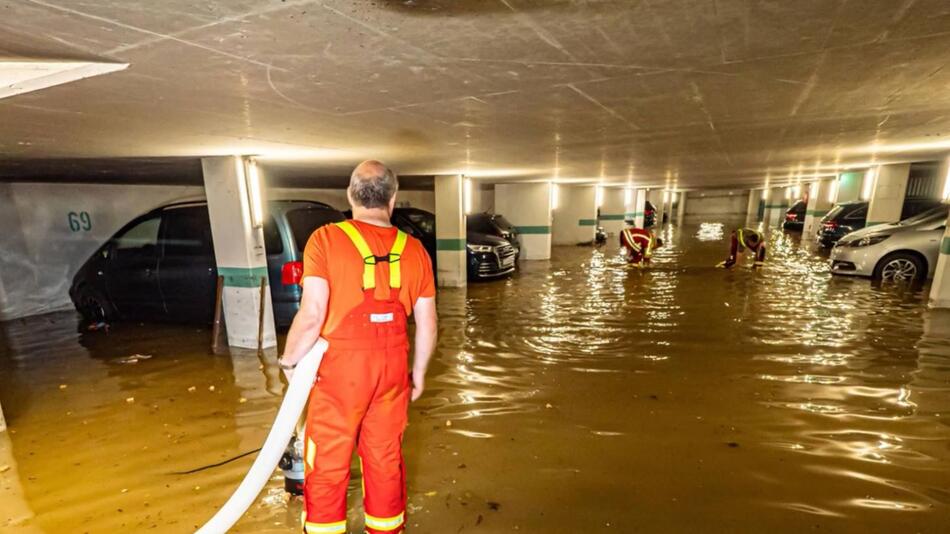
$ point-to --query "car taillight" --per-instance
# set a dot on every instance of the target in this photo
(291, 273)
(830, 225)
(790, 216)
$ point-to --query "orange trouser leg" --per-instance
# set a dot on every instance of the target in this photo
(380, 445)
(337, 405)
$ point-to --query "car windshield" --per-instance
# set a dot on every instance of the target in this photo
(304, 221)
(425, 221)
(940, 212)
(480, 223)
(503, 223)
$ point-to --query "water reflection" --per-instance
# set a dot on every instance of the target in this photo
(580, 392)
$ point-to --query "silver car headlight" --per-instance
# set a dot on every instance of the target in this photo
(480, 248)
(868, 241)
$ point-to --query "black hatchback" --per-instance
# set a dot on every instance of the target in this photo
(850, 216)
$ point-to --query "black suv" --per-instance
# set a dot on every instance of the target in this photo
(795, 216)
(850, 216)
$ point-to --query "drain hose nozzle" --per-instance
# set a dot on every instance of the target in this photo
(283, 428)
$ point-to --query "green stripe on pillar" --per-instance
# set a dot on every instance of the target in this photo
(533, 229)
(611, 216)
(945, 246)
(587, 222)
(242, 276)
(450, 244)
(817, 213)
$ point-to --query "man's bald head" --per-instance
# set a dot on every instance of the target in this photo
(372, 185)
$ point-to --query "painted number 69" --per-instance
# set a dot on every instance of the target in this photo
(80, 221)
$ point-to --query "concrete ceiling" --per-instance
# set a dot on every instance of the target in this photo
(681, 92)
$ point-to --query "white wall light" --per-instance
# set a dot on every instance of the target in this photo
(833, 191)
(946, 185)
(867, 187)
(555, 196)
(254, 196)
(599, 196)
(765, 194)
(467, 195)
(666, 196)
(628, 196)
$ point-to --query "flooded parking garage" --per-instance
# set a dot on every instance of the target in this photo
(581, 395)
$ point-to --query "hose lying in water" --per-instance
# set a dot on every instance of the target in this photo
(284, 424)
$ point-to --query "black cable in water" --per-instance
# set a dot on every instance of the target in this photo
(219, 464)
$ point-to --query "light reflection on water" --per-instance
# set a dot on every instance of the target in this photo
(580, 392)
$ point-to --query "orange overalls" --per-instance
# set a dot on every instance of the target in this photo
(361, 396)
(639, 244)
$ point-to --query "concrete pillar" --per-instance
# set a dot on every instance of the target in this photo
(3, 422)
(528, 207)
(887, 195)
(752, 208)
(639, 207)
(575, 216)
(849, 186)
(612, 210)
(819, 204)
(776, 204)
(680, 206)
(450, 231)
(940, 289)
(239, 247)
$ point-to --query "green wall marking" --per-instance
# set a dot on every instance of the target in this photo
(611, 216)
(587, 222)
(537, 230)
(450, 244)
(945, 246)
(242, 276)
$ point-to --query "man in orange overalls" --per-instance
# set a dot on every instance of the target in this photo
(362, 279)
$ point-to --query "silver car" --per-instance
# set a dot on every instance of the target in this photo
(904, 251)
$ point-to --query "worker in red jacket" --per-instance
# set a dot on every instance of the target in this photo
(638, 245)
(745, 238)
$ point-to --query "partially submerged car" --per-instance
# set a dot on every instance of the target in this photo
(795, 216)
(161, 265)
(904, 251)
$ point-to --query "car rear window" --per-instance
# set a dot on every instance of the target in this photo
(272, 242)
(833, 214)
(856, 214)
(304, 221)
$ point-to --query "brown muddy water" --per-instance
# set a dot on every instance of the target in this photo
(579, 396)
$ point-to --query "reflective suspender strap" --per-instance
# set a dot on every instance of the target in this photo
(395, 265)
(369, 260)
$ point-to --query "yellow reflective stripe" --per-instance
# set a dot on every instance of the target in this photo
(362, 477)
(311, 452)
(338, 527)
(387, 523)
(395, 263)
(369, 259)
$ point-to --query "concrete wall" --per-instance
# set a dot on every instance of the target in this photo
(483, 198)
(717, 202)
(575, 218)
(51, 229)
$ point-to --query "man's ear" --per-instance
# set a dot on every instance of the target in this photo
(392, 204)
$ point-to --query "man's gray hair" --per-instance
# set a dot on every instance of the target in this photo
(372, 185)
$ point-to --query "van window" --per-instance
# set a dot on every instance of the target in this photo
(272, 242)
(143, 234)
(187, 232)
(304, 221)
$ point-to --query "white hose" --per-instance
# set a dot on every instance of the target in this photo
(294, 400)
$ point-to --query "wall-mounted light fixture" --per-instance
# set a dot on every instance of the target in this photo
(252, 179)
(833, 190)
(867, 187)
(555, 195)
(599, 196)
(628, 196)
(467, 194)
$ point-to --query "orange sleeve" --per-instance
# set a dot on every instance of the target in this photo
(315, 254)
(426, 288)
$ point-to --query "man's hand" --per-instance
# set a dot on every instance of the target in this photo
(418, 385)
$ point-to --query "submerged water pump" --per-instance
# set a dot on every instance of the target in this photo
(292, 465)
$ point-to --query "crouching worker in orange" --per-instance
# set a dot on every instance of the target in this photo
(639, 244)
(362, 280)
(745, 238)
